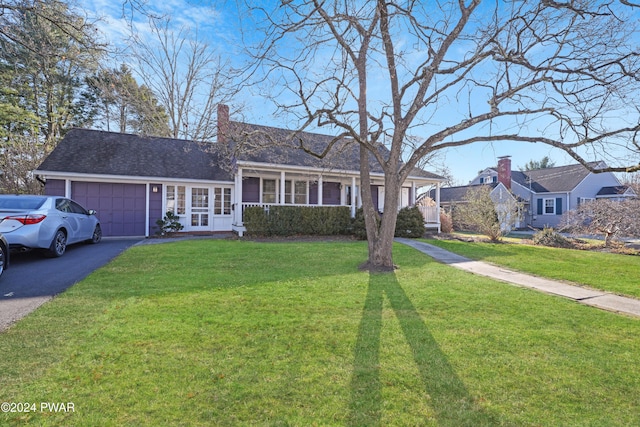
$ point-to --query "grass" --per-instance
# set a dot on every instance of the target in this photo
(240, 333)
(605, 271)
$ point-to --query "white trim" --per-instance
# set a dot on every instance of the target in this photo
(125, 178)
(146, 209)
(544, 205)
(67, 189)
(352, 202)
(237, 212)
(274, 167)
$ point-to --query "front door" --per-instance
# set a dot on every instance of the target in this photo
(200, 215)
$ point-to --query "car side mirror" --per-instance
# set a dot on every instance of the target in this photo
(92, 212)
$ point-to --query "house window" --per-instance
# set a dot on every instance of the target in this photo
(269, 191)
(222, 203)
(549, 206)
(287, 192)
(176, 196)
(585, 200)
(300, 196)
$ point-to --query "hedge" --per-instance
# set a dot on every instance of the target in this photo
(410, 223)
(282, 220)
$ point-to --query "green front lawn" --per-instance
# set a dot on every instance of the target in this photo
(619, 274)
(233, 333)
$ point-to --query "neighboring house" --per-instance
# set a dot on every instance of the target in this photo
(504, 200)
(132, 181)
(546, 193)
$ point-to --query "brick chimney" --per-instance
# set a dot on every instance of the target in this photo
(223, 122)
(504, 171)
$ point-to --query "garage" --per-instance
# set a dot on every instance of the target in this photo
(121, 207)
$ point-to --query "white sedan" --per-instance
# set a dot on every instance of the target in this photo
(46, 222)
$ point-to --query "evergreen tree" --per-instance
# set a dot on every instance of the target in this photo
(46, 49)
(127, 105)
(544, 163)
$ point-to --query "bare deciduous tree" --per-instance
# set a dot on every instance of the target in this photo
(454, 73)
(610, 218)
(19, 156)
(186, 76)
(632, 181)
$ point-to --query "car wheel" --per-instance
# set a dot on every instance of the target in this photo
(3, 258)
(58, 245)
(97, 235)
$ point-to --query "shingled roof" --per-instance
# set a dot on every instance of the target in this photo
(613, 191)
(552, 180)
(456, 194)
(98, 152)
(109, 153)
(264, 144)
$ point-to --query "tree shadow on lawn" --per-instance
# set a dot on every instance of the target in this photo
(448, 398)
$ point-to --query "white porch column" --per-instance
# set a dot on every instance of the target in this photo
(412, 200)
(352, 202)
(438, 205)
(320, 190)
(237, 214)
(282, 189)
(307, 190)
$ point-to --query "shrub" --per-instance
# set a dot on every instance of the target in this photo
(358, 227)
(446, 222)
(550, 237)
(478, 213)
(410, 223)
(169, 224)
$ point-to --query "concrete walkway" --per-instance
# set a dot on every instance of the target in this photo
(594, 298)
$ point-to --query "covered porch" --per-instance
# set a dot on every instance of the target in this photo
(257, 185)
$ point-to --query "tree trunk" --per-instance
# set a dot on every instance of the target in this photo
(608, 236)
(380, 233)
(381, 248)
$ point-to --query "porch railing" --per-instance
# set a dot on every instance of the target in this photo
(268, 205)
(430, 214)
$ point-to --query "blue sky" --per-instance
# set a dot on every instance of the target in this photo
(219, 26)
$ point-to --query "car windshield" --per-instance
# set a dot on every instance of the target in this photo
(21, 202)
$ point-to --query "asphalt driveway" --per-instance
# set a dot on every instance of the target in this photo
(31, 280)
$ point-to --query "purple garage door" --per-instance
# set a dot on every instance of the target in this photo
(120, 207)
